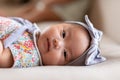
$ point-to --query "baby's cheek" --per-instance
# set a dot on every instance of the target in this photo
(52, 58)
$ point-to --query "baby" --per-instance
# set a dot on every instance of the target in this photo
(73, 43)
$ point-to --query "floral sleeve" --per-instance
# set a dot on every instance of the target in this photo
(7, 26)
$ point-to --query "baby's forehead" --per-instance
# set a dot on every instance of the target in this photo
(79, 40)
(76, 26)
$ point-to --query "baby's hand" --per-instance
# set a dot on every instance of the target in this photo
(1, 47)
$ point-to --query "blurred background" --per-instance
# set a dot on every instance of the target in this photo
(45, 10)
(103, 13)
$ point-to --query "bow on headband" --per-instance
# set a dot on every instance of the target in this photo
(92, 54)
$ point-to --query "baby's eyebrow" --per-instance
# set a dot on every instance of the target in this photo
(70, 49)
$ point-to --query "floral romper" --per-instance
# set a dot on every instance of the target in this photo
(19, 36)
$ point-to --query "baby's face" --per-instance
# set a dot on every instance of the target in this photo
(62, 43)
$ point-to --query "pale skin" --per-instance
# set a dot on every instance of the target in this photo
(62, 43)
(58, 45)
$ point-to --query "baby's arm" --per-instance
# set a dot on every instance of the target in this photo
(6, 59)
(1, 47)
(6, 27)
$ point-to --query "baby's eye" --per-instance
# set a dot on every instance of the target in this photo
(65, 54)
(63, 34)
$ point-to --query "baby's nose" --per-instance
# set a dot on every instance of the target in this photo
(57, 43)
